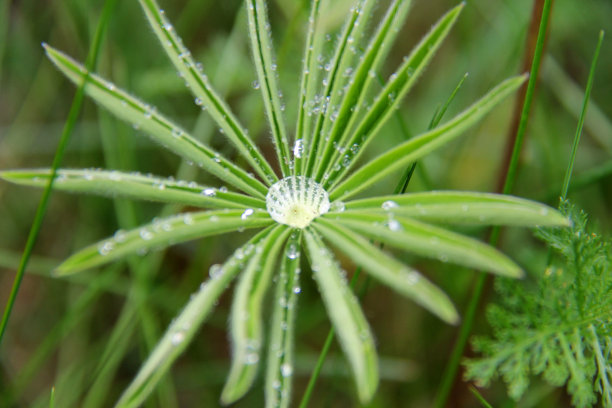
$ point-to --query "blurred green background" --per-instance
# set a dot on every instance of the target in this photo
(87, 335)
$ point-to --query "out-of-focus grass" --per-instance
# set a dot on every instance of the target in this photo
(60, 328)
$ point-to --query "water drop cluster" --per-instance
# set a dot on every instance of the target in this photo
(296, 201)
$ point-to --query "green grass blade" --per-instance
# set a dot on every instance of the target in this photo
(161, 233)
(159, 128)
(350, 107)
(206, 97)
(343, 54)
(246, 319)
(389, 271)
(184, 327)
(458, 207)
(345, 313)
(135, 186)
(429, 241)
(261, 44)
(585, 103)
(389, 98)
(75, 109)
(411, 150)
(280, 354)
(307, 89)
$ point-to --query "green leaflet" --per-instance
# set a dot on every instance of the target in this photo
(352, 145)
(458, 207)
(159, 128)
(429, 241)
(399, 157)
(206, 96)
(279, 372)
(345, 313)
(391, 272)
(246, 317)
(161, 233)
(136, 186)
(184, 327)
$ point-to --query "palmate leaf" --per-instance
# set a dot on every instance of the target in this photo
(400, 156)
(135, 186)
(557, 325)
(161, 233)
(345, 313)
(184, 327)
(458, 207)
(205, 95)
(159, 128)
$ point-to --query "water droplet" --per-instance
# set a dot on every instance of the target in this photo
(296, 201)
(119, 236)
(146, 234)
(215, 271)
(187, 219)
(292, 251)
(338, 206)
(297, 289)
(298, 148)
(255, 84)
(209, 192)
(177, 338)
(252, 358)
(106, 248)
(247, 213)
(544, 211)
(389, 205)
(286, 370)
(198, 101)
(394, 225)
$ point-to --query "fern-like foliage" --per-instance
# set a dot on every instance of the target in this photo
(558, 324)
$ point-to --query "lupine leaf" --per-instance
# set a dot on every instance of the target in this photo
(428, 240)
(161, 233)
(345, 313)
(389, 271)
(206, 96)
(246, 318)
(159, 128)
(400, 156)
(280, 351)
(184, 327)
(391, 95)
(458, 207)
(261, 45)
(362, 79)
(136, 186)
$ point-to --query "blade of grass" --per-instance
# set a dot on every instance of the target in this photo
(450, 371)
(261, 45)
(158, 127)
(585, 104)
(246, 318)
(57, 159)
(206, 96)
(411, 150)
(114, 183)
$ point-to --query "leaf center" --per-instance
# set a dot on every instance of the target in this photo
(296, 201)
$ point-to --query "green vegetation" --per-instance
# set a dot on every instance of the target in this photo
(333, 142)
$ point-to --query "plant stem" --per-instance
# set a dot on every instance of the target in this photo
(508, 177)
(75, 109)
